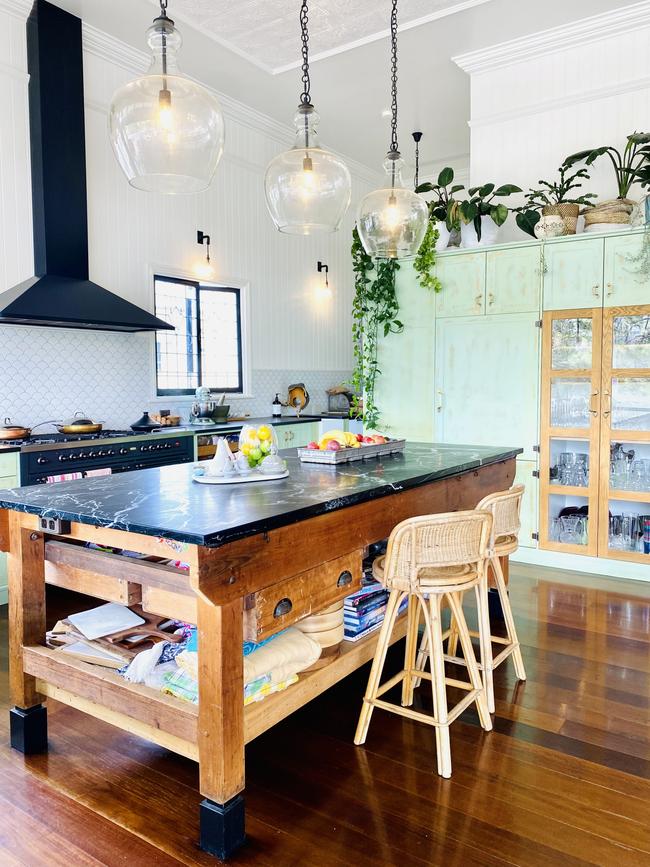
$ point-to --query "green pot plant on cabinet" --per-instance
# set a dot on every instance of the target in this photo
(552, 210)
(443, 207)
(627, 165)
(481, 216)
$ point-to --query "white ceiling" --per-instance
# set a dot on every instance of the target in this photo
(268, 34)
(350, 88)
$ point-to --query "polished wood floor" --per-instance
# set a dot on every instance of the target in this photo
(564, 779)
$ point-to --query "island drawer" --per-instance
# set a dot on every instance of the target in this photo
(282, 604)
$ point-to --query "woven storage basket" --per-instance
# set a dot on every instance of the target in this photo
(613, 217)
(569, 214)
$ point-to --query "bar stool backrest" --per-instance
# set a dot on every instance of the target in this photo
(505, 508)
(435, 541)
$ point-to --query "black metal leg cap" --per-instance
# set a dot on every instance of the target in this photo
(222, 826)
(28, 729)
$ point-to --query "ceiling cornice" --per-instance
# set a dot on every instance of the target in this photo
(109, 48)
(583, 32)
(17, 8)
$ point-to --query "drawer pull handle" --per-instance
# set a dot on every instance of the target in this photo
(345, 578)
(283, 607)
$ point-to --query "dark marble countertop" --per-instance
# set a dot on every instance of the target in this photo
(167, 502)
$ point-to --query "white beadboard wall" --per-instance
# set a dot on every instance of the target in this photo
(538, 99)
(293, 335)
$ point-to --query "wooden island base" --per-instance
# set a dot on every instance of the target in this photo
(232, 593)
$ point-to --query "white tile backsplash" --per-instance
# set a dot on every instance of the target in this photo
(51, 373)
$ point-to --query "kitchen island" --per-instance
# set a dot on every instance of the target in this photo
(260, 558)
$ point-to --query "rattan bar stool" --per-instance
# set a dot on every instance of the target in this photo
(505, 508)
(430, 558)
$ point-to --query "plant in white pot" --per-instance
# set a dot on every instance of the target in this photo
(481, 216)
(443, 207)
(554, 199)
(627, 166)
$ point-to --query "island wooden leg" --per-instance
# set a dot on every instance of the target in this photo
(28, 717)
(221, 726)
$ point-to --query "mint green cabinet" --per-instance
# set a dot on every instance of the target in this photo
(513, 280)
(627, 280)
(9, 473)
(463, 284)
(525, 476)
(416, 305)
(296, 436)
(487, 381)
(573, 274)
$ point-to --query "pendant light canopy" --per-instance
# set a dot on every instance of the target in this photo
(307, 188)
(166, 130)
(392, 221)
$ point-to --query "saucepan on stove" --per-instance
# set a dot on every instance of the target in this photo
(80, 423)
(11, 431)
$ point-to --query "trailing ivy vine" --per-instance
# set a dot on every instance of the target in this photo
(426, 259)
(374, 313)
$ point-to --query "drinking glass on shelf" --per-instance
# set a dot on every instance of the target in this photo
(554, 530)
(572, 530)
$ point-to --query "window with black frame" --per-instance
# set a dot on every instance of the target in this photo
(206, 346)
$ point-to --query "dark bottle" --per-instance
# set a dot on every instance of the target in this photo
(276, 407)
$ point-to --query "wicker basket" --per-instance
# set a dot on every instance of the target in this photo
(568, 212)
(614, 217)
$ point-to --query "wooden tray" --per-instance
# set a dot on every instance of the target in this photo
(342, 456)
(239, 480)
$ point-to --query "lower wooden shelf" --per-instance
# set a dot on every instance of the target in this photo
(166, 720)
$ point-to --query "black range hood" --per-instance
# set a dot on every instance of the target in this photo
(61, 295)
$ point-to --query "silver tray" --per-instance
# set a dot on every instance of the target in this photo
(344, 456)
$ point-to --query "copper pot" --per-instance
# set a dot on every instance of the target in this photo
(9, 431)
(79, 424)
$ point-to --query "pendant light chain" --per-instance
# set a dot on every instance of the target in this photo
(163, 8)
(393, 77)
(305, 96)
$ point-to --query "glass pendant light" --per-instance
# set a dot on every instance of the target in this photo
(166, 130)
(307, 188)
(392, 221)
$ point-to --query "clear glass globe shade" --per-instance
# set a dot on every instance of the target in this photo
(307, 188)
(167, 131)
(392, 221)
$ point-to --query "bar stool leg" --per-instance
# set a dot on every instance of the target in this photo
(456, 603)
(517, 658)
(452, 641)
(485, 640)
(377, 666)
(439, 686)
(413, 621)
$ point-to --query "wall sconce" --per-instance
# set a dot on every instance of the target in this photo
(324, 289)
(204, 268)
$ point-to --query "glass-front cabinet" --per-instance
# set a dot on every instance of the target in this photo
(625, 434)
(595, 448)
(571, 361)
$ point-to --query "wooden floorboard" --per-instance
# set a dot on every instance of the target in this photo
(564, 778)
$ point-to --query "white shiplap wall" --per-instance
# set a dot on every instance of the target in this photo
(538, 99)
(132, 234)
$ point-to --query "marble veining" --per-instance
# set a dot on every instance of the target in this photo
(166, 502)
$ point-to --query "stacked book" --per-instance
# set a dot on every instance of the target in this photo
(364, 611)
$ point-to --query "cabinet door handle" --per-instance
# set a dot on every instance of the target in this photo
(439, 406)
(283, 607)
(609, 404)
(596, 290)
(345, 578)
(610, 290)
(478, 300)
(490, 298)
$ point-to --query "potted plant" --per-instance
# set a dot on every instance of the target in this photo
(626, 167)
(553, 199)
(481, 216)
(643, 177)
(443, 207)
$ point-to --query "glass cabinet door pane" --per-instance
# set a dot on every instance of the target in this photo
(569, 463)
(570, 403)
(571, 344)
(631, 337)
(631, 404)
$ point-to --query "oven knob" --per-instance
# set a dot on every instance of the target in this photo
(92, 454)
(63, 457)
(82, 455)
(110, 452)
(101, 454)
(124, 451)
(41, 461)
(158, 446)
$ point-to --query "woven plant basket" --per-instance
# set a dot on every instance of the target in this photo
(568, 212)
(595, 215)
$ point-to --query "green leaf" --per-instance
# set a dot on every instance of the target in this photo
(456, 188)
(527, 220)
(468, 211)
(639, 138)
(486, 190)
(499, 214)
(508, 190)
(445, 177)
(424, 188)
(473, 190)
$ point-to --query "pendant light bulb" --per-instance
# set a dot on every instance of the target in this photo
(307, 188)
(166, 130)
(392, 221)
